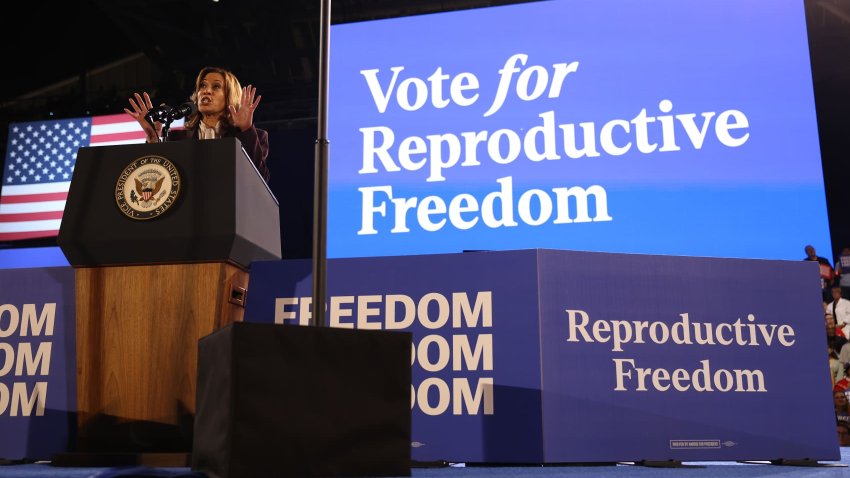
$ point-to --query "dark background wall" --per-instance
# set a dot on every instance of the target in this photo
(828, 23)
(98, 52)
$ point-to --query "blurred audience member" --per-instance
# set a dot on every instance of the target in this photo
(843, 433)
(826, 273)
(842, 406)
(836, 368)
(842, 384)
(839, 308)
(835, 341)
(842, 269)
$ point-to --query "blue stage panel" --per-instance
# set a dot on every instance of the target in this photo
(37, 361)
(547, 356)
(32, 257)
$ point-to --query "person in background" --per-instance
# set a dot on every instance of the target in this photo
(836, 368)
(843, 383)
(841, 405)
(835, 341)
(839, 308)
(843, 433)
(843, 353)
(842, 270)
(826, 273)
(225, 109)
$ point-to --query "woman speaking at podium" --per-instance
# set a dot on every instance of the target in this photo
(218, 108)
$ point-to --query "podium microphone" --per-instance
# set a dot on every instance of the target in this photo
(182, 111)
(160, 113)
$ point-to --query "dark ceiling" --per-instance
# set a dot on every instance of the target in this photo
(271, 43)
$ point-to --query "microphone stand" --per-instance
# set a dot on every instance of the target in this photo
(161, 113)
(165, 127)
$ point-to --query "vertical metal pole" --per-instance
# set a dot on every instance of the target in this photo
(320, 190)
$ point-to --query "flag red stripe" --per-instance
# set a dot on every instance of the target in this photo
(118, 136)
(30, 216)
(17, 236)
(24, 198)
(111, 119)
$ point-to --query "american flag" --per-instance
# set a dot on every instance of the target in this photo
(40, 159)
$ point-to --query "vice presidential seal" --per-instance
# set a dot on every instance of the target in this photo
(147, 187)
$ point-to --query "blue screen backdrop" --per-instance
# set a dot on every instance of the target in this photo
(659, 127)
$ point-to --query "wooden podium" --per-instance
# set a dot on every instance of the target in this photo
(157, 267)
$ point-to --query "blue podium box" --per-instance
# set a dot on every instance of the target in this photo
(37, 362)
(548, 356)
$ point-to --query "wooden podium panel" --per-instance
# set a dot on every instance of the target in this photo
(137, 334)
(148, 290)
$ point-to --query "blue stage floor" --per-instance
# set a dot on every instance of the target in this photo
(693, 469)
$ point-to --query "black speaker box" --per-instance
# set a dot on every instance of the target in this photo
(286, 400)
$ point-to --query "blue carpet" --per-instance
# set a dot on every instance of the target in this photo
(695, 470)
